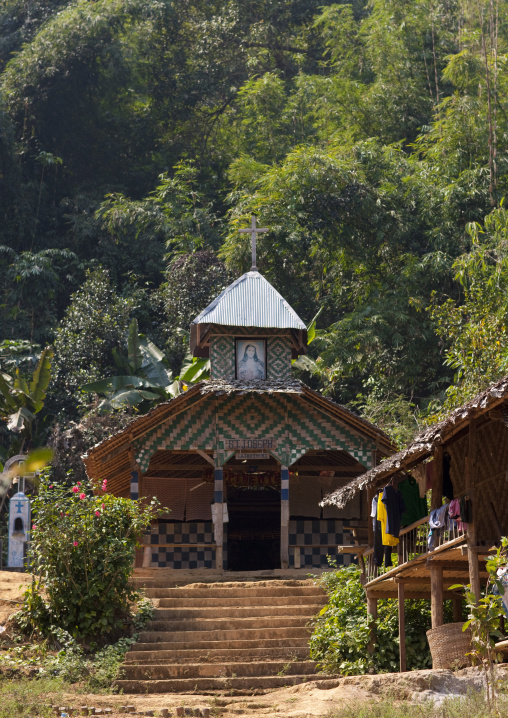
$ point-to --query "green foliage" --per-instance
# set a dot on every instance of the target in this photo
(341, 639)
(475, 330)
(21, 400)
(82, 551)
(485, 620)
(94, 324)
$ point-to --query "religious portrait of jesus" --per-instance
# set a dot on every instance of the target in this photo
(251, 359)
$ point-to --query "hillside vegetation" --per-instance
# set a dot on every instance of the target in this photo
(137, 137)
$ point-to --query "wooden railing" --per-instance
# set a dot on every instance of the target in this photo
(413, 543)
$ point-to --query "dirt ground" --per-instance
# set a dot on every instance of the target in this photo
(313, 699)
(12, 585)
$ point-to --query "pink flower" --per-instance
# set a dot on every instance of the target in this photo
(103, 507)
(82, 496)
(75, 489)
(34, 527)
(78, 483)
(75, 543)
(104, 484)
(97, 513)
(51, 486)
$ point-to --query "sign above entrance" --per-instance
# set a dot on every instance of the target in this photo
(243, 456)
(249, 444)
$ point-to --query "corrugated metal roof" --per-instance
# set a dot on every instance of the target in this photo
(251, 301)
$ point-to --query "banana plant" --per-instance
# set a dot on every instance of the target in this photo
(146, 378)
(20, 400)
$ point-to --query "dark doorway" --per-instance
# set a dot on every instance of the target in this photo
(254, 528)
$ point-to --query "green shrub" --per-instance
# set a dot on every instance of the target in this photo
(82, 550)
(341, 637)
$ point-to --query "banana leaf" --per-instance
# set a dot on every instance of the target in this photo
(128, 397)
(16, 422)
(114, 383)
(41, 379)
(311, 329)
(199, 367)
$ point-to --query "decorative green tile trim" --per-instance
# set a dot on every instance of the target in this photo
(222, 357)
(279, 358)
(291, 425)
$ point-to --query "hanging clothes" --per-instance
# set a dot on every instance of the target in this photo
(447, 481)
(420, 474)
(395, 507)
(378, 538)
(438, 520)
(454, 513)
(415, 507)
(387, 539)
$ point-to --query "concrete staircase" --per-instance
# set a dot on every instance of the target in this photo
(243, 637)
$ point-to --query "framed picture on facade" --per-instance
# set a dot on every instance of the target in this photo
(251, 359)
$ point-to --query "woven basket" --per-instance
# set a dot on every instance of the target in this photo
(448, 646)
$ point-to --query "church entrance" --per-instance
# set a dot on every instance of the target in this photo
(254, 528)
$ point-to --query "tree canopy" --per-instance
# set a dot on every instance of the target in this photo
(136, 138)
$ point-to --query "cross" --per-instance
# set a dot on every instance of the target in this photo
(253, 230)
(19, 505)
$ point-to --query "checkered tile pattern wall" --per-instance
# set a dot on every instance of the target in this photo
(317, 538)
(184, 533)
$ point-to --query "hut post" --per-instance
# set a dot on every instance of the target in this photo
(402, 625)
(437, 479)
(457, 609)
(284, 517)
(218, 518)
(372, 612)
(436, 594)
(472, 555)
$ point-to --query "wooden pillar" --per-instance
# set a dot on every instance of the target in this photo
(284, 517)
(436, 594)
(402, 626)
(472, 539)
(218, 518)
(372, 612)
(437, 480)
(135, 476)
(457, 609)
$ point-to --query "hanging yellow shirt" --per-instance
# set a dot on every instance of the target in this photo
(387, 539)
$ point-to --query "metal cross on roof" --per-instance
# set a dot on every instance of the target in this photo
(253, 230)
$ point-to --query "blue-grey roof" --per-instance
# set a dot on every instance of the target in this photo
(251, 301)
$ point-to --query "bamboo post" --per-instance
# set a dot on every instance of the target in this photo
(218, 518)
(472, 538)
(284, 517)
(437, 479)
(457, 609)
(436, 594)
(402, 625)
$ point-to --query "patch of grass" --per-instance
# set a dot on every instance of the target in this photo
(28, 698)
(473, 705)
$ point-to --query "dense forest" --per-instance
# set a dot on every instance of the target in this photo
(138, 136)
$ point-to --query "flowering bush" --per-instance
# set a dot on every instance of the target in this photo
(83, 544)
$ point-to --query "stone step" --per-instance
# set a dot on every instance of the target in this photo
(133, 671)
(220, 591)
(229, 613)
(207, 685)
(216, 655)
(207, 645)
(264, 634)
(226, 623)
(158, 594)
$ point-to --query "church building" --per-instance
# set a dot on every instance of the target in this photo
(243, 460)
